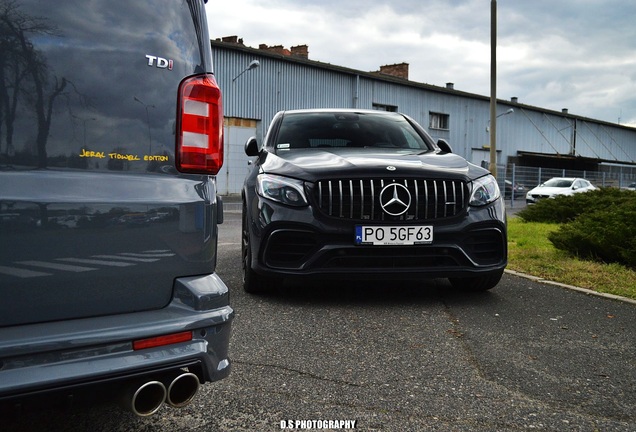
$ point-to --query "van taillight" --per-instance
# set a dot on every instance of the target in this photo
(200, 126)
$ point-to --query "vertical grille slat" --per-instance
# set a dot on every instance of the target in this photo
(340, 197)
(426, 200)
(445, 199)
(351, 200)
(372, 201)
(417, 200)
(359, 199)
(463, 196)
(330, 199)
(436, 201)
(381, 187)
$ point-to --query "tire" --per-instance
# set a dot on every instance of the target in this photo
(253, 283)
(477, 283)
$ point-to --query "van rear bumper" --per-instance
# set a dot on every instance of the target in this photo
(48, 357)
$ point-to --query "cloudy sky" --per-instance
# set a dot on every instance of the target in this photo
(575, 54)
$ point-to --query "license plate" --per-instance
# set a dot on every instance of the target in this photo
(394, 235)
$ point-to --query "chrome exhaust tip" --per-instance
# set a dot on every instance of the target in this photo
(148, 398)
(182, 390)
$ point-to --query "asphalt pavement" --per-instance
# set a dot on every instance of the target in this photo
(394, 356)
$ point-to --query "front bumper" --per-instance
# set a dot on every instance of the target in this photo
(48, 358)
(297, 242)
(535, 198)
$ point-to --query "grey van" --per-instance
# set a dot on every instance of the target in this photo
(111, 133)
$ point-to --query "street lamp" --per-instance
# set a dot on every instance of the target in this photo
(510, 111)
(253, 65)
(148, 120)
(493, 87)
(84, 120)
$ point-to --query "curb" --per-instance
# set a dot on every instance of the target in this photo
(571, 287)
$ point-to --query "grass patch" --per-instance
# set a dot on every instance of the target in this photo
(530, 251)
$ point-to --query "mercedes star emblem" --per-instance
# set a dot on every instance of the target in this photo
(395, 199)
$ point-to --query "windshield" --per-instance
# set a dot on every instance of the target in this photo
(560, 183)
(82, 86)
(347, 130)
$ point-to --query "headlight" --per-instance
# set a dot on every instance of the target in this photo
(485, 191)
(282, 189)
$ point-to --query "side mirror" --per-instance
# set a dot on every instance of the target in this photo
(251, 147)
(444, 146)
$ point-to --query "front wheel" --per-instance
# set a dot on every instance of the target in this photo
(477, 283)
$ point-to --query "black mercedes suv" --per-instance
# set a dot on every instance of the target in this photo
(364, 195)
(111, 133)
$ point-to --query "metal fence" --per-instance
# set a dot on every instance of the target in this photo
(526, 178)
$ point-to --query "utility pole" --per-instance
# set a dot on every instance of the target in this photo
(493, 87)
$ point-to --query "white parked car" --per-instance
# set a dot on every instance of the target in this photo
(558, 186)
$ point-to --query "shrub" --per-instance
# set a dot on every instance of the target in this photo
(562, 209)
(607, 234)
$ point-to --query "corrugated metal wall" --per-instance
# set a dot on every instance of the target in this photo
(283, 83)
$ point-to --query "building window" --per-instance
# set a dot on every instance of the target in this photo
(438, 121)
(381, 107)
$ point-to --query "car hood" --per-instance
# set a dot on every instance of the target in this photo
(550, 191)
(314, 164)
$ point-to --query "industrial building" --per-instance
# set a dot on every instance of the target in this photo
(258, 82)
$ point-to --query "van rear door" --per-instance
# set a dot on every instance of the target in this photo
(95, 216)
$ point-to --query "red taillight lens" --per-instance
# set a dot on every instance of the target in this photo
(200, 126)
(162, 340)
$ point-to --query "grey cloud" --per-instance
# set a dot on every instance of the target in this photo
(569, 45)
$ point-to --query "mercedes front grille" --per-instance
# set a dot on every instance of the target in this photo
(360, 198)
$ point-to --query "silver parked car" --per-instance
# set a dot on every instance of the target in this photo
(559, 186)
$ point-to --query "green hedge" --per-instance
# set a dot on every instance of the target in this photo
(564, 209)
(598, 225)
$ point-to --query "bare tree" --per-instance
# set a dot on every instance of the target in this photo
(23, 70)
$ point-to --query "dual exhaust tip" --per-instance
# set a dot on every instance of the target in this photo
(150, 396)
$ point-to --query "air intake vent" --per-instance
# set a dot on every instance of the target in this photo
(289, 248)
(486, 246)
